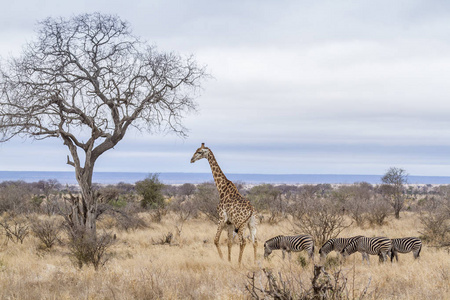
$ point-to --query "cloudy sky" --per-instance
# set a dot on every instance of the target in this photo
(298, 87)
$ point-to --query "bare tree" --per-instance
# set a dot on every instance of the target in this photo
(87, 80)
(392, 188)
(319, 217)
(355, 200)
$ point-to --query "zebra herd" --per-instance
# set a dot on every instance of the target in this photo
(381, 246)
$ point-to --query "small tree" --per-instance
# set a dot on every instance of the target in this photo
(151, 191)
(320, 218)
(355, 199)
(392, 188)
(268, 197)
(50, 189)
(186, 189)
(206, 198)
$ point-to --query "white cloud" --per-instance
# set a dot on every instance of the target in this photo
(300, 86)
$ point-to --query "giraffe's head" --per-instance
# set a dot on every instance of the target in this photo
(201, 152)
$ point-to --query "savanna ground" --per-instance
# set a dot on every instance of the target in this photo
(143, 267)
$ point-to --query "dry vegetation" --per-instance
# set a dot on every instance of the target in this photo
(143, 263)
(190, 267)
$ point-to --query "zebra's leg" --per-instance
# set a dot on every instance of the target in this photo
(366, 257)
(217, 238)
(283, 251)
(241, 242)
(381, 257)
(417, 252)
(230, 240)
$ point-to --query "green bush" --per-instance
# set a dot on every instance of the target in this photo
(151, 191)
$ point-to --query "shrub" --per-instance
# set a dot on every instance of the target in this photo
(377, 210)
(268, 197)
(288, 286)
(206, 199)
(301, 260)
(355, 199)
(16, 197)
(86, 248)
(16, 229)
(321, 218)
(435, 218)
(151, 191)
(47, 231)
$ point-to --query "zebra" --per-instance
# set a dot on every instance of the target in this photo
(380, 246)
(290, 243)
(405, 245)
(336, 244)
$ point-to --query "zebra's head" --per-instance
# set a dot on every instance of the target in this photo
(200, 153)
(272, 244)
(349, 249)
(326, 248)
(322, 254)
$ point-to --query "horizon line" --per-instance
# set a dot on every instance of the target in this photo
(231, 173)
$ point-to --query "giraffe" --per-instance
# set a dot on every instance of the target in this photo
(234, 210)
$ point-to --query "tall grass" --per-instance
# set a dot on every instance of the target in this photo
(190, 267)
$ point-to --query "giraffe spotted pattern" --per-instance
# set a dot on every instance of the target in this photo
(234, 210)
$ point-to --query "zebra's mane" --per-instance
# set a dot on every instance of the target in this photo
(274, 238)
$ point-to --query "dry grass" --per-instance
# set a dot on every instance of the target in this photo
(191, 268)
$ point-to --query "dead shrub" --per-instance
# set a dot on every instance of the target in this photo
(206, 199)
(166, 239)
(157, 214)
(184, 208)
(320, 218)
(267, 285)
(377, 210)
(355, 199)
(86, 248)
(16, 229)
(435, 218)
(47, 231)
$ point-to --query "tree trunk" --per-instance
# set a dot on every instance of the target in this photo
(397, 209)
(83, 213)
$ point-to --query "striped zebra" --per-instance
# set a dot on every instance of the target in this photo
(405, 245)
(290, 243)
(337, 244)
(380, 246)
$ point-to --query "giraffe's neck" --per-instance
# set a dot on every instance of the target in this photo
(219, 177)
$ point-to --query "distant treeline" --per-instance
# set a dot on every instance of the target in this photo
(311, 208)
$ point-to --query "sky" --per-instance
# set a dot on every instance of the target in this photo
(296, 87)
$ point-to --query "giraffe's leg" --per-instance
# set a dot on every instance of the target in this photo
(241, 242)
(217, 238)
(252, 229)
(230, 240)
